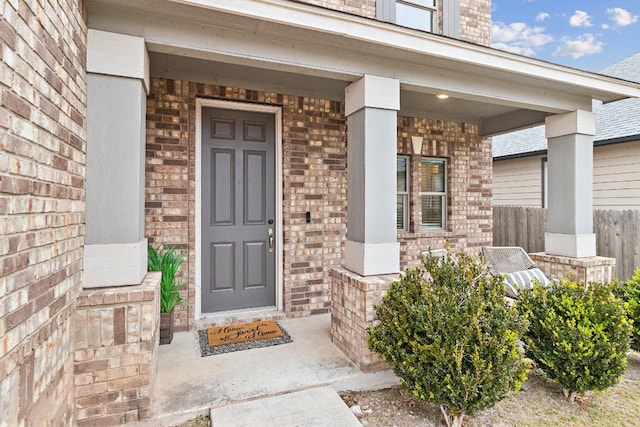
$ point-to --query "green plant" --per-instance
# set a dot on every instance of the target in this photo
(629, 292)
(168, 263)
(578, 334)
(451, 338)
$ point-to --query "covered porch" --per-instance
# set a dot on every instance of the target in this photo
(397, 91)
(346, 96)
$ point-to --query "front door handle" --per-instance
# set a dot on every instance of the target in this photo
(270, 233)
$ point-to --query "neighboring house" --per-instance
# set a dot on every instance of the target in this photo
(300, 153)
(520, 158)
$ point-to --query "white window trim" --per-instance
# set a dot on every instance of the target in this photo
(444, 195)
(386, 11)
(406, 194)
(545, 182)
(279, 235)
(417, 4)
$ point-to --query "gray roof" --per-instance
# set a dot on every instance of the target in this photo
(616, 121)
(627, 69)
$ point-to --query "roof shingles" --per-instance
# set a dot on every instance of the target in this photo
(615, 120)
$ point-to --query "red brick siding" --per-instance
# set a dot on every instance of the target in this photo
(314, 167)
(170, 182)
(475, 16)
(314, 164)
(42, 156)
(475, 21)
(365, 8)
(116, 346)
(469, 210)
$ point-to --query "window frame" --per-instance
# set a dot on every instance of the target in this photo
(386, 11)
(406, 194)
(443, 194)
(544, 170)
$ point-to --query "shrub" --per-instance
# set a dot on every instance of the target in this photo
(629, 292)
(578, 334)
(451, 338)
(168, 263)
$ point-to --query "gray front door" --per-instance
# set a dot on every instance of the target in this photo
(238, 210)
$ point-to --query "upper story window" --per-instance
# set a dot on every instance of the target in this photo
(418, 14)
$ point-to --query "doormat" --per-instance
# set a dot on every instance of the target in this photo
(225, 339)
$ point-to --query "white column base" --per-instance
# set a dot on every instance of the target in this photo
(370, 259)
(571, 245)
(117, 264)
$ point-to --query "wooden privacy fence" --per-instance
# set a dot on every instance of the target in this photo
(617, 233)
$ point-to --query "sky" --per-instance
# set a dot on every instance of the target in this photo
(585, 34)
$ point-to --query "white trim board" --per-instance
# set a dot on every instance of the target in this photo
(114, 264)
(239, 106)
(367, 30)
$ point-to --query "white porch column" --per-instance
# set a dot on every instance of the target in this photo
(115, 252)
(570, 162)
(372, 105)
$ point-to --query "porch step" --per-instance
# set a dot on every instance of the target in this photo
(315, 407)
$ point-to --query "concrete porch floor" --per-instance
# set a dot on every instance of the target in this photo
(187, 384)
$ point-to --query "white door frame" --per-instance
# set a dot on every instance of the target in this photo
(240, 106)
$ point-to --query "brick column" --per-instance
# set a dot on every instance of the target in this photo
(371, 106)
(116, 351)
(585, 270)
(353, 312)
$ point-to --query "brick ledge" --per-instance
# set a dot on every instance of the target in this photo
(145, 291)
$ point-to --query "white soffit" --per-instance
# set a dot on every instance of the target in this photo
(211, 35)
(459, 52)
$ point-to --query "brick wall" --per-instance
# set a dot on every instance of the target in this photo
(475, 16)
(469, 210)
(475, 21)
(586, 270)
(353, 312)
(365, 8)
(116, 349)
(314, 162)
(42, 146)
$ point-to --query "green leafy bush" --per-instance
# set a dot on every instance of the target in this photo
(578, 334)
(629, 292)
(168, 263)
(451, 338)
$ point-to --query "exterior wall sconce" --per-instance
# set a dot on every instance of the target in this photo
(416, 141)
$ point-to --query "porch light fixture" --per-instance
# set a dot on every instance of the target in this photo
(416, 141)
(442, 96)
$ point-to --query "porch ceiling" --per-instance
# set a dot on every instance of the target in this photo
(215, 72)
(280, 44)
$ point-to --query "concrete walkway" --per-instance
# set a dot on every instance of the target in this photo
(283, 377)
(318, 407)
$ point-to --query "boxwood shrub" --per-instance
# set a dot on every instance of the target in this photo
(629, 292)
(578, 334)
(451, 338)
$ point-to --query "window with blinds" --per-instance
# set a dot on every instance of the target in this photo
(433, 193)
(402, 207)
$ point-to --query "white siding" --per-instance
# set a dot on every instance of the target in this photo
(616, 178)
(518, 182)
